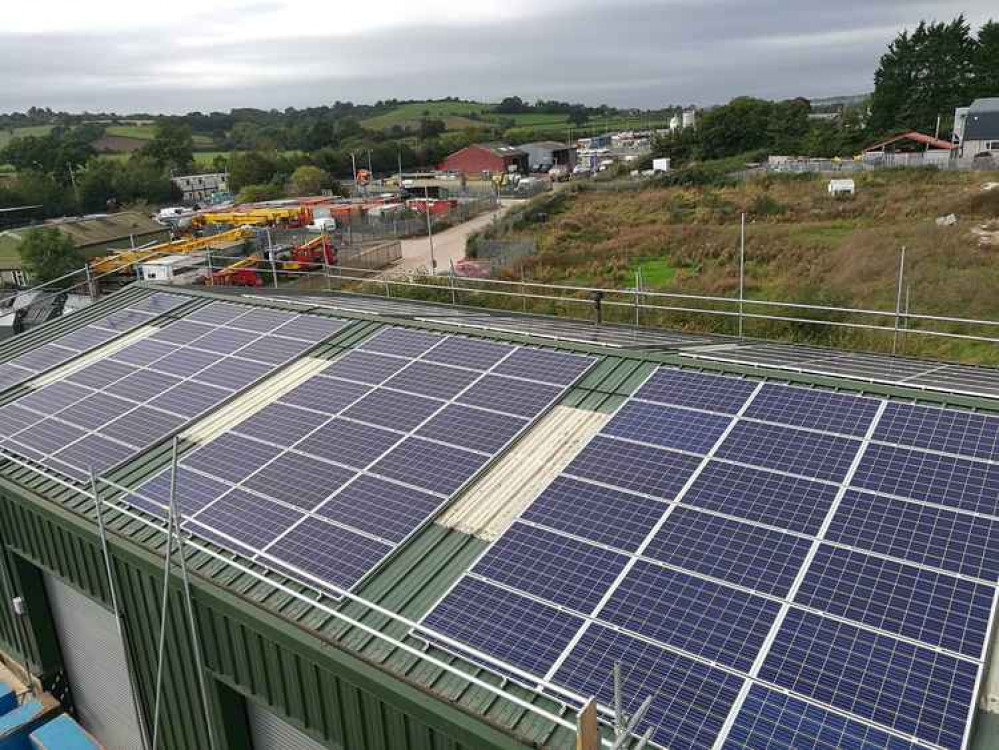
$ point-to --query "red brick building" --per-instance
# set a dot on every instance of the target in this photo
(485, 157)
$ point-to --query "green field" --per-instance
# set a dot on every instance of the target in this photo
(454, 114)
(148, 132)
(6, 136)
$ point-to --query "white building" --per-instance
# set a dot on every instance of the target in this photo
(980, 131)
(200, 187)
(173, 269)
(689, 118)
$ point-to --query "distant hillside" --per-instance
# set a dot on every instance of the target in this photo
(839, 101)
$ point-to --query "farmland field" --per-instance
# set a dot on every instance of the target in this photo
(148, 132)
(7, 135)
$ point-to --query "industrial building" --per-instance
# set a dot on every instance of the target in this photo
(976, 128)
(493, 158)
(413, 526)
(543, 155)
(203, 188)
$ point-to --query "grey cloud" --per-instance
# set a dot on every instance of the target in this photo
(625, 53)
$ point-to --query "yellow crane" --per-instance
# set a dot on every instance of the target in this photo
(256, 216)
(125, 259)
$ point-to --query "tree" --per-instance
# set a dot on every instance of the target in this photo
(172, 146)
(251, 168)
(46, 254)
(578, 116)
(789, 126)
(308, 180)
(987, 61)
(431, 128)
(255, 193)
(741, 125)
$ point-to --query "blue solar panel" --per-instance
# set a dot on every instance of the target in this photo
(545, 365)
(299, 480)
(929, 536)
(52, 398)
(477, 354)
(813, 408)
(668, 426)
(518, 630)
(778, 721)
(511, 396)
(325, 394)
(640, 468)
(915, 690)
(233, 373)
(86, 338)
(955, 482)
(397, 411)
(101, 373)
(45, 357)
(90, 452)
(432, 380)
(280, 424)
(472, 428)
(261, 321)
(11, 374)
(944, 430)
(217, 313)
(49, 436)
(230, 457)
(124, 320)
(762, 496)
(701, 617)
(747, 555)
(598, 513)
(246, 519)
(182, 332)
(14, 418)
(194, 492)
(274, 350)
(185, 362)
(310, 328)
(142, 427)
(697, 390)
(690, 699)
(401, 342)
(382, 508)
(143, 385)
(787, 449)
(349, 443)
(553, 567)
(144, 352)
(190, 398)
(224, 340)
(365, 367)
(329, 553)
(158, 303)
(935, 608)
(431, 466)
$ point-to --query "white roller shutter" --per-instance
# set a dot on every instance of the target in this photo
(94, 656)
(270, 732)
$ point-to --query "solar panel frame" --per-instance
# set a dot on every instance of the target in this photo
(812, 454)
(814, 408)
(676, 387)
(645, 469)
(544, 365)
(667, 426)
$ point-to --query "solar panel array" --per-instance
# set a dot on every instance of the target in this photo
(26, 366)
(776, 566)
(876, 368)
(108, 411)
(326, 481)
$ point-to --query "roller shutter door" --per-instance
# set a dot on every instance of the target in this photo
(270, 732)
(94, 656)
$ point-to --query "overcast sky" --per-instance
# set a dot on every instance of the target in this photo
(184, 55)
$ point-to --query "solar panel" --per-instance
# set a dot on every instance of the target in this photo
(144, 385)
(398, 411)
(511, 396)
(777, 720)
(194, 491)
(86, 338)
(545, 365)
(244, 519)
(101, 373)
(90, 452)
(325, 394)
(45, 357)
(299, 480)
(184, 363)
(311, 328)
(639, 468)
(934, 608)
(668, 427)
(14, 418)
(915, 690)
(563, 571)
(939, 429)
(701, 617)
(144, 352)
(233, 373)
(53, 398)
(365, 367)
(217, 313)
(261, 321)
(274, 349)
(96, 410)
(124, 320)
(815, 409)
(280, 424)
(432, 380)
(430, 466)
(808, 453)
(182, 332)
(472, 428)
(190, 399)
(142, 427)
(349, 443)
(230, 457)
(472, 353)
(48, 436)
(697, 390)
(401, 342)
(224, 340)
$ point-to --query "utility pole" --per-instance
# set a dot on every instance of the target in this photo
(430, 230)
(353, 166)
(398, 154)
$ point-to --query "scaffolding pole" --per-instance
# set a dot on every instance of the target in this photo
(164, 610)
(742, 272)
(898, 302)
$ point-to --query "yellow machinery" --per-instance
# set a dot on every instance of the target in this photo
(295, 215)
(126, 259)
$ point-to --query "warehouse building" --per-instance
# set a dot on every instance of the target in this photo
(544, 155)
(493, 158)
(421, 526)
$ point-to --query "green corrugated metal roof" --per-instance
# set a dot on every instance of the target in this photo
(414, 577)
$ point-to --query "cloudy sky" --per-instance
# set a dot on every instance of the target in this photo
(182, 55)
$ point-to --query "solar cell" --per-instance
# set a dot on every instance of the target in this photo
(598, 513)
(955, 482)
(472, 428)
(101, 373)
(814, 408)
(124, 320)
(365, 367)
(782, 722)
(52, 398)
(545, 365)
(701, 617)
(349, 443)
(915, 690)
(48, 436)
(697, 390)
(476, 354)
(217, 313)
(182, 332)
(667, 426)
(325, 394)
(185, 362)
(750, 556)
(935, 608)
(762, 496)
(14, 418)
(247, 519)
(930, 536)
(690, 699)
(143, 385)
(96, 410)
(946, 430)
(274, 350)
(45, 357)
(280, 424)
(230, 457)
(259, 320)
(143, 352)
(224, 340)
(190, 399)
(518, 630)
(299, 480)
(784, 448)
(142, 427)
(516, 397)
(11, 374)
(194, 492)
(402, 342)
(398, 411)
(312, 328)
(432, 380)
(86, 338)
(328, 552)
(654, 471)
(381, 508)
(233, 373)
(553, 567)
(93, 451)
(431, 466)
